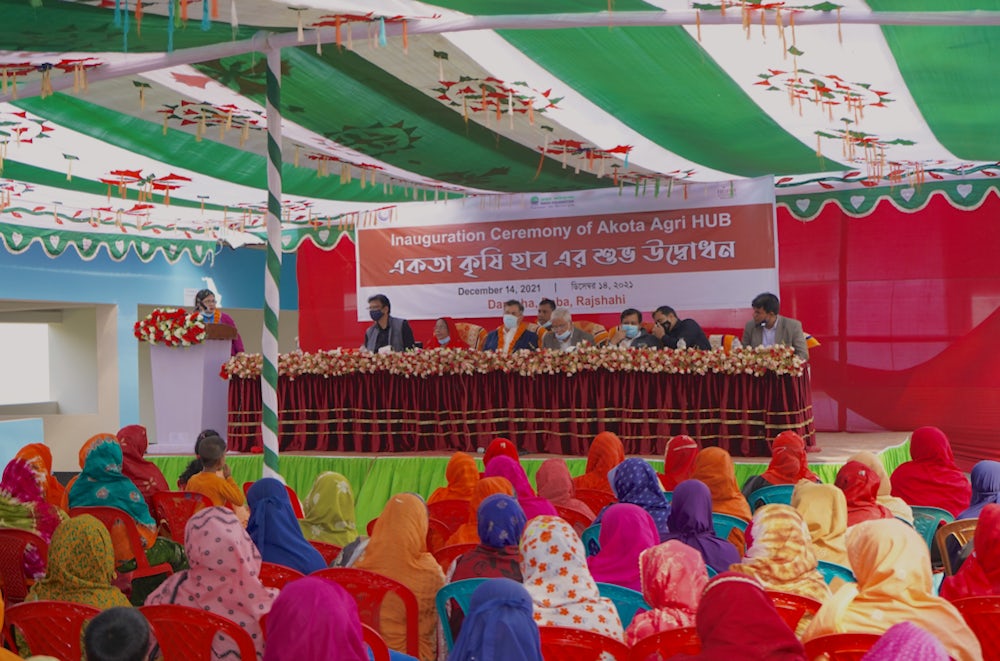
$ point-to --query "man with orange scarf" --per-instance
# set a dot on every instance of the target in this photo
(513, 334)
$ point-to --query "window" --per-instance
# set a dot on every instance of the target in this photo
(24, 355)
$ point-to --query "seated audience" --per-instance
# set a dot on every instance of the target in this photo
(224, 577)
(897, 506)
(670, 330)
(737, 620)
(398, 549)
(634, 481)
(626, 531)
(979, 575)
(563, 335)
(513, 472)
(446, 335)
(40, 457)
(462, 475)
(893, 568)
(118, 634)
(499, 625)
(606, 452)
(314, 619)
(194, 466)
(556, 486)
(673, 578)
(905, 641)
(387, 333)
(690, 522)
(860, 486)
(468, 532)
(81, 566)
(678, 461)
(329, 511)
(714, 466)
(823, 507)
(985, 488)
(145, 475)
(275, 530)
(82, 458)
(788, 464)
(215, 479)
(23, 506)
(932, 479)
(500, 524)
(630, 333)
(563, 592)
(500, 446)
(513, 335)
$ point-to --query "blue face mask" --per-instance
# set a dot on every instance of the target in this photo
(444, 340)
(562, 337)
(375, 314)
(631, 330)
(509, 321)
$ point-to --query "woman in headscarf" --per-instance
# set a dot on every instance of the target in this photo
(897, 506)
(224, 577)
(893, 569)
(398, 549)
(556, 486)
(985, 488)
(678, 461)
(606, 452)
(714, 466)
(40, 457)
(979, 575)
(634, 481)
(626, 531)
(23, 506)
(275, 530)
(513, 472)
(823, 507)
(737, 620)
(932, 479)
(82, 458)
(500, 523)
(329, 511)
(462, 475)
(673, 578)
(788, 464)
(81, 566)
(144, 474)
(562, 590)
(314, 619)
(781, 556)
(468, 532)
(499, 625)
(500, 447)
(690, 522)
(906, 642)
(860, 486)
(446, 335)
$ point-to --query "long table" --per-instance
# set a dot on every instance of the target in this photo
(549, 413)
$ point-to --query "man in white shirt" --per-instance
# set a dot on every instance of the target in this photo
(563, 335)
(767, 328)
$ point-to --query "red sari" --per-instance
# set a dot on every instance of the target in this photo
(678, 461)
(146, 476)
(860, 485)
(788, 462)
(455, 342)
(932, 478)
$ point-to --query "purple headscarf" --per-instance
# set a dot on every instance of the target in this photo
(634, 481)
(503, 466)
(626, 531)
(691, 522)
(314, 618)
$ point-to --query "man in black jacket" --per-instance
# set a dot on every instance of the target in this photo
(669, 329)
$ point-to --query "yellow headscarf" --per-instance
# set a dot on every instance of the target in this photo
(895, 505)
(823, 507)
(329, 511)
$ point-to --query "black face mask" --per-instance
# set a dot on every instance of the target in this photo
(375, 314)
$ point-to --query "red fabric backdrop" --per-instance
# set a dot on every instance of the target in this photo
(906, 305)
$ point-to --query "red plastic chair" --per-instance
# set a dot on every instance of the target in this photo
(596, 499)
(447, 554)
(793, 607)
(578, 520)
(369, 590)
(375, 642)
(565, 644)
(452, 513)
(112, 518)
(666, 644)
(982, 614)
(292, 496)
(175, 508)
(277, 576)
(371, 526)
(49, 628)
(12, 579)
(328, 551)
(841, 646)
(437, 535)
(186, 634)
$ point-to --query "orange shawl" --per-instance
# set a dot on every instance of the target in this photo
(468, 533)
(606, 452)
(462, 475)
(40, 457)
(714, 467)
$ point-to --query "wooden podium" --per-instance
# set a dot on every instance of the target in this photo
(188, 393)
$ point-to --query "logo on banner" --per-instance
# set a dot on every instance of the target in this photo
(552, 201)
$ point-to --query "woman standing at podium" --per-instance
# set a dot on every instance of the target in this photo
(204, 302)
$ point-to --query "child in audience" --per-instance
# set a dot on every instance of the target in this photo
(215, 479)
(117, 634)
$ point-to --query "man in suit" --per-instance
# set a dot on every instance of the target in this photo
(767, 328)
(563, 335)
(513, 334)
(630, 333)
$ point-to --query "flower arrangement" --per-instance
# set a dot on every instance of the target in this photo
(172, 327)
(756, 361)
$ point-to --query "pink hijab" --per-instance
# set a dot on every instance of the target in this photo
(626, 531)
(556, 486)
(224, 577)
(503, 466)
(314, 618)
(673, 578)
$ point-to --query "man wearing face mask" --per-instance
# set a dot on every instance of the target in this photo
(669, 329)
(563, 335)
(388, 333)
(630, 332)
(513, 335)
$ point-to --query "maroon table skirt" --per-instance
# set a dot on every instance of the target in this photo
(555, 414)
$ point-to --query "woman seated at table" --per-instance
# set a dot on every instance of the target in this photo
(446, 335)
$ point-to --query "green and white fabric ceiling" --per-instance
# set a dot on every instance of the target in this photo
(142, 128)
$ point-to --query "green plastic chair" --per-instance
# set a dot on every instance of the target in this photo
(831, 570)
(724, 523)
(627, 601)
(591, 539)
(776, 493)
(927, 520)
(461, 592)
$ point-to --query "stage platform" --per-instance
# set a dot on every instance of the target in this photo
(375, 477)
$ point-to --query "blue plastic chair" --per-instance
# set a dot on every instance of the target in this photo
(831, 570)
(669, 495)
(591, 539)
(724, 523)
(461, 592)
(927, 520)
(628, 602)
(776, 493)
(711, 571)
